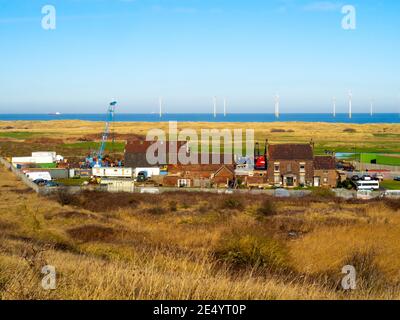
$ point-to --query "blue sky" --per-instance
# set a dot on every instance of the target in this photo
(188, 51)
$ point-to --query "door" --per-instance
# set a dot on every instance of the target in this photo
(289, 181)
(317, 181)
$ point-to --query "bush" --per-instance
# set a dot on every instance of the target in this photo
(324, 193)
(64, 197)
(393, 204)
(232, 203)
(368, 274)
(267, 208)
(252, 251)
(173, 206)
(156, 210)
(278, 130)
(350, 130)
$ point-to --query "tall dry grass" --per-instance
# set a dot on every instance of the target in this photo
(199, 246)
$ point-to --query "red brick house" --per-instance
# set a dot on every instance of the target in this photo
(325, 173)
(199, 175)
(290, 165)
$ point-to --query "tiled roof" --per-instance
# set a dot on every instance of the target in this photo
(324, 163)
(140, 146)
(290, 152)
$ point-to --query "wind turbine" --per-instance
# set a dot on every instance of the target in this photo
(371, 111)
(277, 105)
(224, 107)
(334, 107)
(160, 103)
(215, 107)
(350, 105)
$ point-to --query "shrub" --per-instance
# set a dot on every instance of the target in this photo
(350, 130)
(324, 193)
(267, 208)
(369, 276)
(173, 206)
(156, 210)
(277, 130)
(232, 203)
(252, 251)
(64, 197)
(393, 204)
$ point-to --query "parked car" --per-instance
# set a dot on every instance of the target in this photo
(355, 178)
(51, 184)
(396, 178)
(366, 177)
(378, 176)
(40, 182)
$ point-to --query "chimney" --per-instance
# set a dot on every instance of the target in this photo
(312, 144)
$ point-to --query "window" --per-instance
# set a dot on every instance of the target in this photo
(302, 180)
(183, 183)
(325, 180)
(302, 167)
(277, 167)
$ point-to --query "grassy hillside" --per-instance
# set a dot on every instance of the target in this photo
(194, 246)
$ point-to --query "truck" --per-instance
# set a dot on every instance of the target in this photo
(38, 175)
(150, 172)
(112, 172)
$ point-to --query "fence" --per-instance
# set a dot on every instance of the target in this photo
(20, 175)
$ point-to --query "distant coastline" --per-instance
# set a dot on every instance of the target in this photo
(357, 118)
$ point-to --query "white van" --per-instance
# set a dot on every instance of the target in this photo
(367, 185)
(38, 175)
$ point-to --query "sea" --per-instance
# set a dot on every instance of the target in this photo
(357, 118)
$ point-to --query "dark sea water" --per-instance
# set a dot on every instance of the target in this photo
(236, 117)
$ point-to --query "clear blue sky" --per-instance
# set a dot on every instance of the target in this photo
(190, 50)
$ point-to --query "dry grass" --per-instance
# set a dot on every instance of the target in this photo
(201, 246)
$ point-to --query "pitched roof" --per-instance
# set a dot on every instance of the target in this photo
(141, 146)
(324, 163)
(290, 152)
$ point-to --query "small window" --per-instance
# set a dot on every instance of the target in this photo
(302, 167)
(277, 167)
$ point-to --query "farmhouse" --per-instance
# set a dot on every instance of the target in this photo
(325, 173)
(290, 165)
(136, 153)
(199, 175)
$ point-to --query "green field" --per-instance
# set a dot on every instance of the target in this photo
(390, 185)
(18, 135)
(116, 146)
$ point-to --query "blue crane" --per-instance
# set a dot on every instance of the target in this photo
(109, 120)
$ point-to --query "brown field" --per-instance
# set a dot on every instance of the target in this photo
(195, 246)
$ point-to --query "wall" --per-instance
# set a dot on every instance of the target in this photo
(20, 175)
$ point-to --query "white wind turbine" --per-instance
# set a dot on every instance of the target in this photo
(277, 106)
(224, 107)
(350, 105)
(334, 107)
(215, 107)
(160, 104)
(371, 110)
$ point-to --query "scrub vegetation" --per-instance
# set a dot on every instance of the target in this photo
(195, 246)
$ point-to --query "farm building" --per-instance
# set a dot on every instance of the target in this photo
(290, 165)
(136, 153)
(199, 176)
(325, 173)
